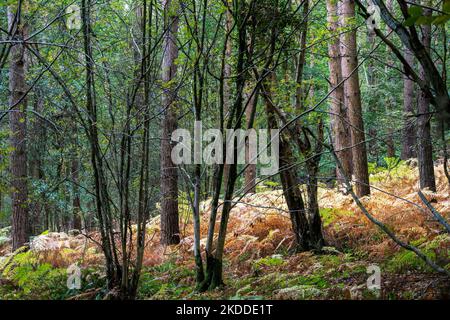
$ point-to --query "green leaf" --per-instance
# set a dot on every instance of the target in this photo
(415, 11)
(446, 6)
(425, 20)
(441, 19)
(410, 21)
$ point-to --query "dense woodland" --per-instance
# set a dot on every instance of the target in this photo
(92, 90)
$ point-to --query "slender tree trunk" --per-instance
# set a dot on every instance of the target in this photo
(352, 98)
(76, 203)
(390, 144)
(18, 127)
(103, 210)
(250, 171)
(226, 83)
(170, 231)
(409, 130)
(425, 148)
(339, 118)
(36, 149)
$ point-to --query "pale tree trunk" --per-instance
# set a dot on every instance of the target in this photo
(170, 231)
(425, 148)
(352, 98)
(339, 118)
(18, 127)
(409, 130)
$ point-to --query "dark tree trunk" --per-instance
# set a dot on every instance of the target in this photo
(352, 98)
(36, 150)
(288, 176)
(425, 148)
(76, 203)
(18, 127)
(250, 171)
(226, 83)
(170, 231)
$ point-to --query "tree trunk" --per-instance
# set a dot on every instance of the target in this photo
(409, 130)
(288, 176)
(170, 231)
(250, 171)
(339, 118)
(18, 127)
(226, 84)
(76, 203)
(425, 148)
(36, 149)
(352, 98)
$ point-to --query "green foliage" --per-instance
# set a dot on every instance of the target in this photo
(408, 260)
(166, 281)
(393, 168)
(272, 261)
(27, 278)
(417, 16)
(437, 250)
(31, 280)
(330, 215)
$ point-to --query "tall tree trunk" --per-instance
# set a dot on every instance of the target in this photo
(102, 199)
(226, 83)
(18, 127)
(425, 148)
(390, 144)
(409, 129)
(36, 149)
(352, 98)
(170, 231)
(339, 118)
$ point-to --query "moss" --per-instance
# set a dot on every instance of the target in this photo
(407, 260)
(271, 261)
(437, 250)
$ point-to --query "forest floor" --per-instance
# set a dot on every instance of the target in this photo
(258, 260)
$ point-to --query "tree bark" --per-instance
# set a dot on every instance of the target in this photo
(226, 84)
(76, 203)
(339, 118)
(18, 127)
(288, 176)
(409, 129)
(170, 231)
(37, 148)
(250, 171)
(352, 98)
(425, 148)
